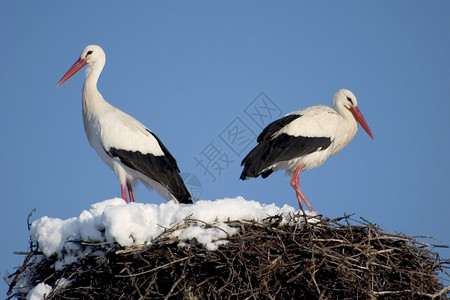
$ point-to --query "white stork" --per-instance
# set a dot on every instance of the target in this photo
(122, 142)
(304, 139)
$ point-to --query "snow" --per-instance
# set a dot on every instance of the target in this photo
(134, 224)
(39, 291)
(42, 290)
(139, 223)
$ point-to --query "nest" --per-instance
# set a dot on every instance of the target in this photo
(324, 259)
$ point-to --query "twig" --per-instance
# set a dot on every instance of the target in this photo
(19, 272)
(154, 269)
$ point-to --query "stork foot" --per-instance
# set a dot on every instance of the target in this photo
(295, 183)
(124, 192)
(300, 198)
(130, 192)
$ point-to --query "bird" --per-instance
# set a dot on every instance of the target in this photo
(132, 150)
(304, 139)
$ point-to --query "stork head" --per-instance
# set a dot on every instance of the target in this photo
(93, 56)
(345, 100)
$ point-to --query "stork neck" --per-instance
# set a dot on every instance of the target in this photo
(92, 74)
(346, 129)
(91, 96)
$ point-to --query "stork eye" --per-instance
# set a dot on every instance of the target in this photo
(350, 100)
(89, 52)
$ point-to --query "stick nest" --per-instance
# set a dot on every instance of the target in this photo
(323, 259)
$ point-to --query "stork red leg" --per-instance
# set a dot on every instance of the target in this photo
(295, 183)
(124, 192)
(130, 192)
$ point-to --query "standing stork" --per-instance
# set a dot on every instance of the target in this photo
(304, 139)
(122, 142)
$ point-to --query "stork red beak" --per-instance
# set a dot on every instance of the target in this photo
(80, 63)
(359, 117)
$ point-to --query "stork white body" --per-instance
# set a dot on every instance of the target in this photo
(304, 139)
(122, 142)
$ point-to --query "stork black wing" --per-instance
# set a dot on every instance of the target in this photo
(282, 148)
(163, 169)
(275, 126)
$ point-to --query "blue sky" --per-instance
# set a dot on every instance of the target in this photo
(193, 71)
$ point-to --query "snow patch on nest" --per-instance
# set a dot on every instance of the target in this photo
(139, 224)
